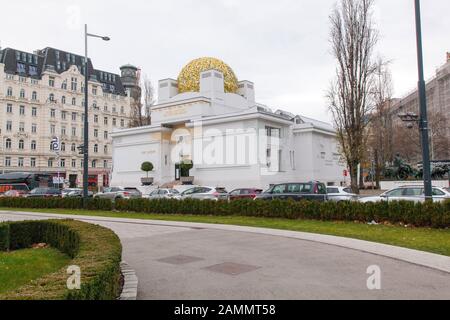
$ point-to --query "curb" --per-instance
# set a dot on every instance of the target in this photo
(130, 285)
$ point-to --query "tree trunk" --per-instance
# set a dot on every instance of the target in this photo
(361, 177)
(377, 169)
(353, 168)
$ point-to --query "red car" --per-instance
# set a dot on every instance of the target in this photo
(13, 194)
(247, 193)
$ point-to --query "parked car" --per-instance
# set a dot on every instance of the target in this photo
(315, 191)
(44, 193)
(408, 193)
(248, 193)
(65, 192)
(78, 193)
(164, 193)
(14, 186)
(13, 194)
(114, 193)
(339, 194)
(205, 193)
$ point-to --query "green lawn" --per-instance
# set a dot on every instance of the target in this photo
(18, 268)
(431, 240)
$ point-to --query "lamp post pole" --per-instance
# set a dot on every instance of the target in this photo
(423, 124)
(86, 113)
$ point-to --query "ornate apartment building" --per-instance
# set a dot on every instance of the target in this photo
(42, 97)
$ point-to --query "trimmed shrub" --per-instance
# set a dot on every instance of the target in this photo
(56, 203)
(96, 250)
(4, 237)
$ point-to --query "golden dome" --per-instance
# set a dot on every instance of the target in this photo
(189, 78)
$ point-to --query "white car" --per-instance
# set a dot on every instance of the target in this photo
(338, 194)
(409, 193)
(164, 193)
(205, 193)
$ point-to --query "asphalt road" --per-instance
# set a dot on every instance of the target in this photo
(181, 262)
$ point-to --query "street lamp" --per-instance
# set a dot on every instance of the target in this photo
(423, 122)
(86, 112)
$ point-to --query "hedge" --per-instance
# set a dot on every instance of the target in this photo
(96, 250)
(4, 237)
(436, 215)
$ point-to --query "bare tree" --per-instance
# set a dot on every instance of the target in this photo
(353, 39)
(141, 115)
(149, 98)
(380, 138)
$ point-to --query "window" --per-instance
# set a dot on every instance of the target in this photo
(33, 70)
(51, 81)
(74, 131)
(33, 128)
(105, 164)
(22, 94)
(279, 189)
(33, 162)
(52, 129)
(105, 149)
(105, 121)
(122, 109)
(51, 97)
(105, 108)
(34, 96)
(74, 101)
(34, 111)
(21, 68)
(63, 115)
(9, 92)
(8, 162)
(33, 145)
(9, 108)
(22, 79)
(22, 110)
(105, 134)
(122, 123)
(21, 144)
(73, 147)
(74, 116)
(64, 85)
(63, 99)
(94, 105)
(73, 84)
(395, 193)
(95, 148)
(8, 143)
(20, 162)
(22, 127)
(63, 131)
(9, 125)
(63, 146)
(114, 122)
(437, 192)
(94, 163)
(50, 163)
(74, 163)
(95, 118)
(94, 90)
(96, 133)
(114, 109)
(62, 163)
(52, 113)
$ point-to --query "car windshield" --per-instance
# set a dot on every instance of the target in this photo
(332, 190)
(174, 191)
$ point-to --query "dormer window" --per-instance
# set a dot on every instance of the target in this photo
(21, 68)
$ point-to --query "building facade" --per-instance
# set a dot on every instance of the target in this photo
(438, 106)
(42, 97)
(210, 119)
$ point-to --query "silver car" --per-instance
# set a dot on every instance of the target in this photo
(408, 193)
(339, 194)
(114, 193)
(164, 194)
(205, 193)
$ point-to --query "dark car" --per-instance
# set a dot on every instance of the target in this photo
(44, 193)
(246, 193)
(297, 191)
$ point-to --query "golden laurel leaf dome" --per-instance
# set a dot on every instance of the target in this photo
(189, 78)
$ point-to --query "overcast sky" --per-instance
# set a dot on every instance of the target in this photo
(280, 45)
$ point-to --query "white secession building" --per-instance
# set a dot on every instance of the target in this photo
(209, 117)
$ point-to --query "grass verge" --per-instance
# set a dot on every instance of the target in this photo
(18, 268)
(425, 239)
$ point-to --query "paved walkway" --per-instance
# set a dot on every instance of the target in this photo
(175, 260)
